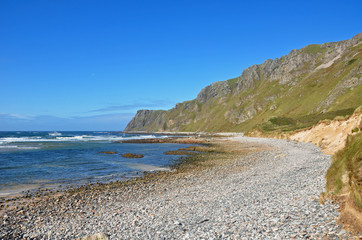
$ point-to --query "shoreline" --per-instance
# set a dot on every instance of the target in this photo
(185, 165)
(33, 190)
(38, 189)
(176, 200)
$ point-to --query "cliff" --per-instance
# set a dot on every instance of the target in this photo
(316, 82)
(147, 120)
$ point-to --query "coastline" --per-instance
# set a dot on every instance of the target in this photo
(46, 186)
(230, 163)
(36, 190)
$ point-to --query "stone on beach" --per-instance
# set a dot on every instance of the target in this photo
(97, 236)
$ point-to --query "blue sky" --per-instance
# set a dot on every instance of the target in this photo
(89, 65)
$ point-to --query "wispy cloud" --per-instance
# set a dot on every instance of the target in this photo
(134, 106)
(113, 117)
(16, 116)
(17, 122)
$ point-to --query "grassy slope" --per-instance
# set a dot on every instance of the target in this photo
(344, 182)
(270, 99)
(345, 173)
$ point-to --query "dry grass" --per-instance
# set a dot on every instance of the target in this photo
(344, 181)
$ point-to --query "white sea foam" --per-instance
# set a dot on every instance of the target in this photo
(73, 138)
(17, 147)
(7, 146)
(20, 139)
(54, 134)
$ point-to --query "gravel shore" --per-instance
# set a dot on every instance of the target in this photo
(272, 193)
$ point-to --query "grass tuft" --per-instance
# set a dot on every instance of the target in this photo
(351, 61)
(354, 130)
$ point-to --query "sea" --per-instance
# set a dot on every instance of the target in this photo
(33, 160)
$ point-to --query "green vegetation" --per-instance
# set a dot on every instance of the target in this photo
(345, 173)
(296, 102)
(285, 124)
(351, 61)
(280, 121)
(232, 82)
(271, 104)
(355, 130)
(313, 49)
(199, 106)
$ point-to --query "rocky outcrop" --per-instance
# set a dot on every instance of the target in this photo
(309, 80)
(297, 62)
(179, 153)
(147, 120)
(214, 91)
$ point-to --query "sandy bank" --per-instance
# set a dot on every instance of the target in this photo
(330, 135)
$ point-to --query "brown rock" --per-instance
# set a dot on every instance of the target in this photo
(131, 155)
(191, 148)
(179, 153)
(107, 152)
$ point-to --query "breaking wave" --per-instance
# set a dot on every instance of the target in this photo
(57, 138)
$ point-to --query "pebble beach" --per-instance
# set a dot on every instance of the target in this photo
(271, 191)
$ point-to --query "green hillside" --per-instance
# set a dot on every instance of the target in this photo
(295, 91)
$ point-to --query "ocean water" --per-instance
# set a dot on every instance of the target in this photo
(33, 160)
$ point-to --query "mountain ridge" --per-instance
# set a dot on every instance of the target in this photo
(315, 79)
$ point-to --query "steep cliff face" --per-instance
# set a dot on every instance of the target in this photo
(213, 91)
(316, 79)
(147, 120)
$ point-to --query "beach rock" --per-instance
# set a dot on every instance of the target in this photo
(108, 152)
(182, 140)
(179, 153)
(131, 155)
(191, 148)
(198, 149)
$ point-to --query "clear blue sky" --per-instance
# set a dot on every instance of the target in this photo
(89, 65)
